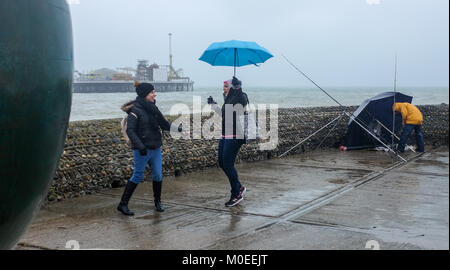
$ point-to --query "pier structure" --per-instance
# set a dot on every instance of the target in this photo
(163, 77)
(127, 86)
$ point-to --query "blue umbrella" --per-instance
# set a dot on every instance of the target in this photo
(235, 53)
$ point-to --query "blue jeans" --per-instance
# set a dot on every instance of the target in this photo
(407, 130)
(227, 153)
(154, 159)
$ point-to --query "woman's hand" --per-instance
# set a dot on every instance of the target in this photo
(211, 100)
(143, 152)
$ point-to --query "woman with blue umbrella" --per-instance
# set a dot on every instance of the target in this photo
(233, 53)
(232, 137)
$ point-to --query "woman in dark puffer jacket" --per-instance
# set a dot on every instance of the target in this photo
(232, 135)
(144, 125)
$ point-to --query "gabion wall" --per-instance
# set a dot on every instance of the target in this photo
(96, 156)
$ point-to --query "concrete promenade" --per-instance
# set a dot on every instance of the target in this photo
(320, 200)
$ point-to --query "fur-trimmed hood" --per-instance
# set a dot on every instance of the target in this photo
(128, 106)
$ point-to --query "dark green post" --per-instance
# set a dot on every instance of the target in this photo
(36, 71)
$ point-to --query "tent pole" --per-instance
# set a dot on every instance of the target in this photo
(395, 91)
(344, 111)
(328, 134)
(335, 119)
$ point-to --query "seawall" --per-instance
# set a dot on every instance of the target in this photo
(96, 156)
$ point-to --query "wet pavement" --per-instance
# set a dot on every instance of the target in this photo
(319, 200)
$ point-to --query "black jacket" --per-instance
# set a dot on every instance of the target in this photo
(234, 97)
(144, 124)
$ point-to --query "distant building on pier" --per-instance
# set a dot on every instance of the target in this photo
(164, 77)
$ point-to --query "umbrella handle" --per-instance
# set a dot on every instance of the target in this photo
(235, 56)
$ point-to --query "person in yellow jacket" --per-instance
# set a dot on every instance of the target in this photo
(412, 119)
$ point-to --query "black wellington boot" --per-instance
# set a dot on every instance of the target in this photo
(123, 205)
(157, 186)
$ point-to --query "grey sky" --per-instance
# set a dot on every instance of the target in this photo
(336, 42)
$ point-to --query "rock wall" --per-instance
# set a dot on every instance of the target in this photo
(96, 156)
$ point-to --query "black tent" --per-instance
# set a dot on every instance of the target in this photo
(370, 114)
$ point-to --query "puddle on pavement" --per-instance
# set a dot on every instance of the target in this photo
(431, 162)
(338, 181)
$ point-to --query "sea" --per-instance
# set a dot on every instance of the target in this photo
(90, 106)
